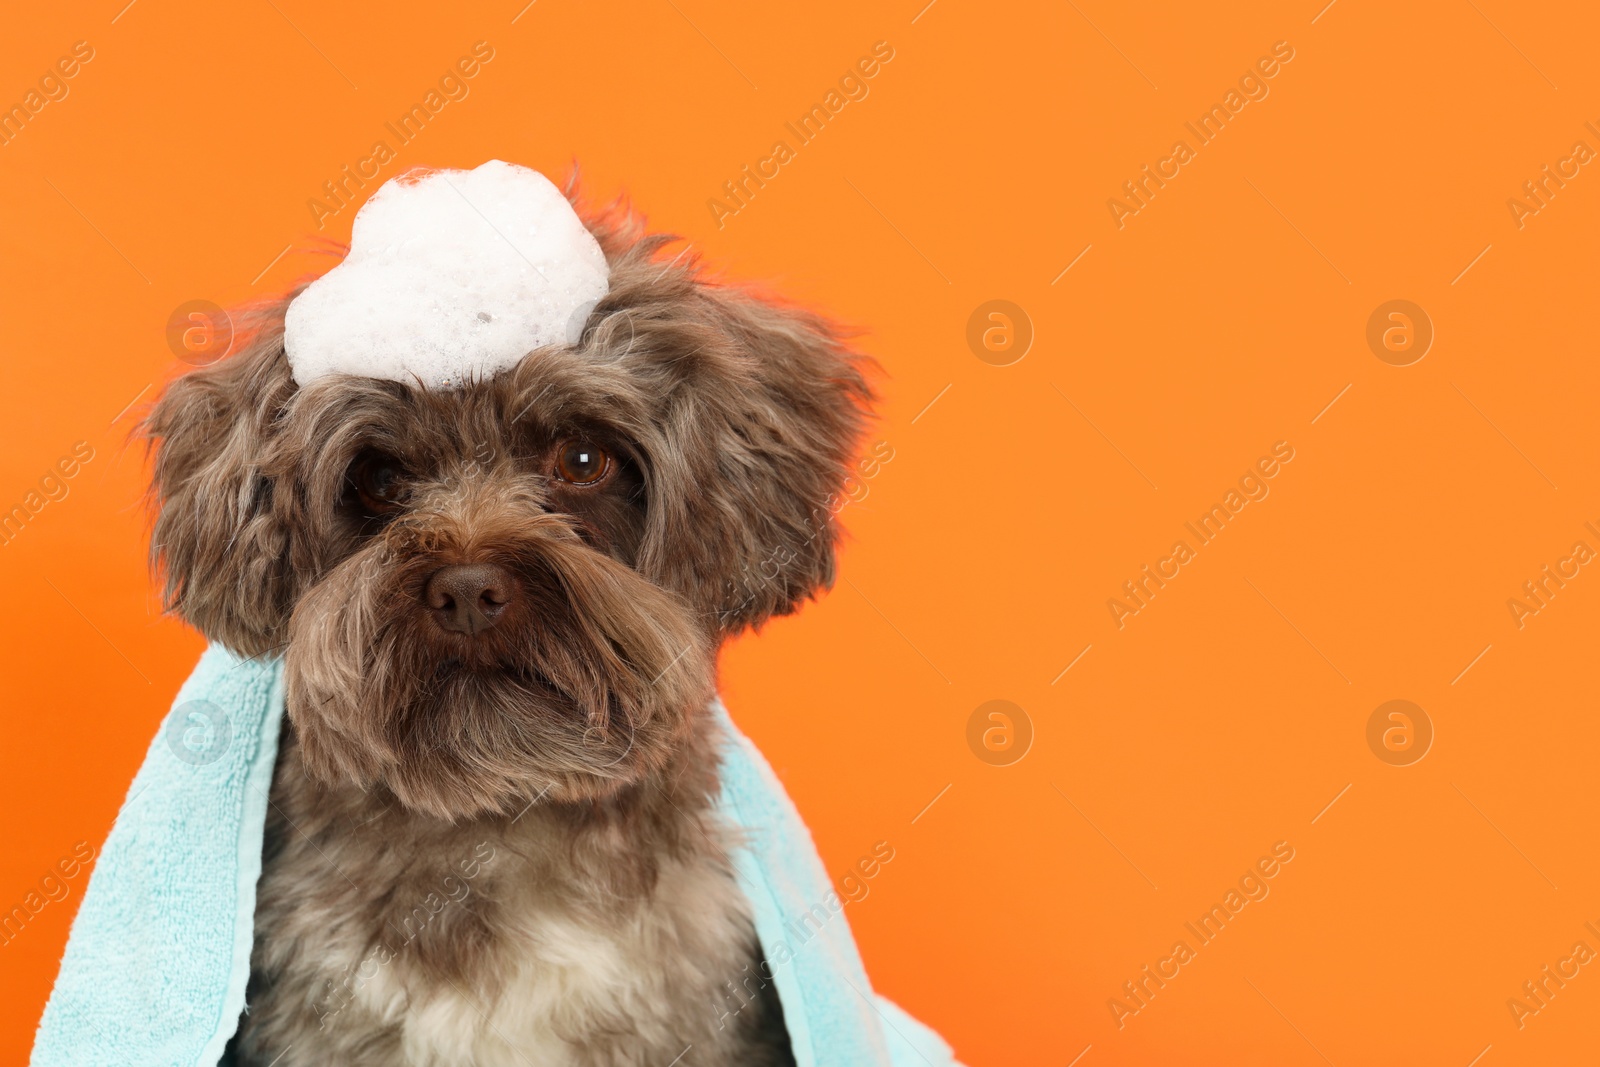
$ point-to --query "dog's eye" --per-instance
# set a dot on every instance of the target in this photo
(380, 482)
(582, 462)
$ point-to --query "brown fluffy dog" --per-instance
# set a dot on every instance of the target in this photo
(492, 835)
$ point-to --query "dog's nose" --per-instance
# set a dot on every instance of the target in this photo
(468, 598)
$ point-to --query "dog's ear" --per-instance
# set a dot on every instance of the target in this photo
(221, 550)
(760, 426)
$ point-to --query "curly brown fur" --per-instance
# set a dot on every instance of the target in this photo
(570, 738)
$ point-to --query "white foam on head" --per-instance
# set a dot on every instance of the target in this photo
(452, 275)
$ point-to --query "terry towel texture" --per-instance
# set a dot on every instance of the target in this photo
(155, 969)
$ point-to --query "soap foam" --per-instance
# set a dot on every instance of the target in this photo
(452, 276)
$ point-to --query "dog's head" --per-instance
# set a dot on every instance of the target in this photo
(515, 587)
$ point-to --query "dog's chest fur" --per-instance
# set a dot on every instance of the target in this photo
(612, 935)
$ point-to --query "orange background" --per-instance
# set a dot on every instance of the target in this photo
(1222, 318)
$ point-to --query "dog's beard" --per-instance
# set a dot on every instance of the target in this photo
(585, 685)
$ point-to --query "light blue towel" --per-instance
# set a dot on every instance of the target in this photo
(155, 969)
